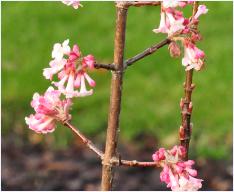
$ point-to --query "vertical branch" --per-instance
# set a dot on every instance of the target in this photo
(115, 98)
(186, 105)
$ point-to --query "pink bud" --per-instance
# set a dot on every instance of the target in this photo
(174, 49)
(88, 61)
(182, 151)
(189, 163)
(196, 37)
(201, 10)
(181, 133)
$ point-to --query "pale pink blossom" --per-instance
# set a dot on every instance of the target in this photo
(173, 3)
(171, 21)
(60, 49)
(71, 70)
(49, 109)
(177, 174)
(201, 10)
(55, 67)
(41, 123)
(74, 3)
(179, 28)
(193, 57)
(88, 61)
(163, 26)
(83, 90)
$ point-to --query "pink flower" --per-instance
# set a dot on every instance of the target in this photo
(177, 174)
(49, 109)
(56, 66)
(171, 21)
(201, 10)
(159, 155)
(173, 3)
(59, 50)
(88, 61)
(189, 184)
(76, 4)
(75, 53)
(193, 57)
(71, 70)
(164, 25)
(179, 28)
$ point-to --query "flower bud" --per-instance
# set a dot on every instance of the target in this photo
(181, 133)
(174, 49)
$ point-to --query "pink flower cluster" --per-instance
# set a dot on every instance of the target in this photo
(183, 29)
(74, 3)
(49, 109)
(70, 67)
(176, 173)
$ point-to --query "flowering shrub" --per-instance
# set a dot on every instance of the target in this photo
(71, 69)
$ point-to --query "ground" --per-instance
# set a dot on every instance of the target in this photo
(35, 167)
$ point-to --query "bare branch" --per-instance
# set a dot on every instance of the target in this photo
(114, 161)
(187, 106)
(105, 66)
(133, 163)
(146, 52)
(143, 3)
(86, 141)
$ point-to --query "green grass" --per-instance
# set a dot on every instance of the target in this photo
(152, 87)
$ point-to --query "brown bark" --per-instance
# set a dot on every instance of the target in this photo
(143, 3)
(146, 52)
(115, 97)
(104, 66)
(186, 105)
(84, 139)
(135, 58)
(114, 160)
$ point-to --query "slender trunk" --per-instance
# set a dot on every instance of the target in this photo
(186, 105)
(115, 98)
(186, 110)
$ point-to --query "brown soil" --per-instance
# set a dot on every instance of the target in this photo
(34, 167)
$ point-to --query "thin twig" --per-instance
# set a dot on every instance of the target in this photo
(143, 3)
(187, 104)
(146, 52)
(133, 163)
(105, 66)
(136, 58)
(86, 141)
(114, 161)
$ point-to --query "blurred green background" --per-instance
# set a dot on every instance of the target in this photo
(152, 87)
